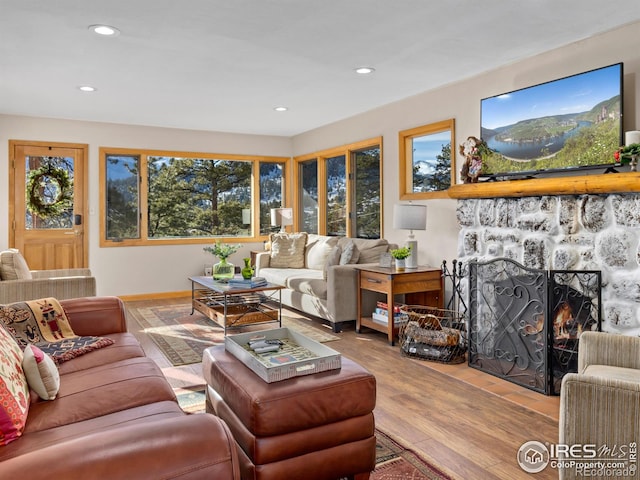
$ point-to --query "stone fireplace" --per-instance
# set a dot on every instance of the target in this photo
(565, 232)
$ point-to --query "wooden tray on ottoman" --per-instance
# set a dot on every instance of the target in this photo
(299, 355)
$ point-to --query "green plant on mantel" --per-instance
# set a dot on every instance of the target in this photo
(625, 154)
(400, 253)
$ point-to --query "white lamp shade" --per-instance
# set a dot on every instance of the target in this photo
(281, 217)
(410, 217)
(246, 216)
(632, 137)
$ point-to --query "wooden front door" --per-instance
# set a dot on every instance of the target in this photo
(47, 205)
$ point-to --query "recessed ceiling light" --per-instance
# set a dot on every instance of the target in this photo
(87, 88)
(105, 30)
(365, 70)
(281, 109)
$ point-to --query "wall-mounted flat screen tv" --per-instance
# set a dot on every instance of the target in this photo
(566, 124)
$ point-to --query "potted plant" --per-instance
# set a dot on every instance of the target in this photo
(400, 255)
(223, 270)
(628, 154)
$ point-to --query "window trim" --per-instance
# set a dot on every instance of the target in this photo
(321, 157)
(143, 186)
(406, 163)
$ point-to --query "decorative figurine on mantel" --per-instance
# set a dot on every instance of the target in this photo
(472, 150)
(629, 154)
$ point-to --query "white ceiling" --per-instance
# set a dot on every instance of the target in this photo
(223, 65)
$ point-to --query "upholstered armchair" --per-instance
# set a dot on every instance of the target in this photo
(18, 283)
(600, 405)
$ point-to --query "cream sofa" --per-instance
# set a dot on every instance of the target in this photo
(18, 283)
(600, 405)
(324, 283)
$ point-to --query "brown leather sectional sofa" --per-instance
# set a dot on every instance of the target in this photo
(116, 416)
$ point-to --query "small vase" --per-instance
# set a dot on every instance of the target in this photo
(223, 270)
(400, 264)
(247, 271)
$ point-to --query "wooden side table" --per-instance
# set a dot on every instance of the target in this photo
(422, 286)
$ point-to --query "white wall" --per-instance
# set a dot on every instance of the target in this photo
(461, 101)
(137, 270)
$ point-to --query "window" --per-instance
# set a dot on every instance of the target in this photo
(336, 196)
(367, 193)
(171, 197)
(339, 191)
(195, 197)
(308, 197)
(271, 193)
(49, 184)
(123, 197)
(427, 160)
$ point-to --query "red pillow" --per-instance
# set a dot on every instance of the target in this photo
(14, 390)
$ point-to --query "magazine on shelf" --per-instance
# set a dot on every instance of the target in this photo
(383, 318)
(383, 306)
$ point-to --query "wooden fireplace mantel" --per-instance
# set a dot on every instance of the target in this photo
(570, 185)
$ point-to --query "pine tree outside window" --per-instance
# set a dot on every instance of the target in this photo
(166, 198)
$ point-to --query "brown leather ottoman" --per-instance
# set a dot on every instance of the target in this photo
(312, 427)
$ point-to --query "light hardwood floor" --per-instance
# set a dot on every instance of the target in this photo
(469, 423)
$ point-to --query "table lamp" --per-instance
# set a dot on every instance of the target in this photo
(410, 217)
(281, 217)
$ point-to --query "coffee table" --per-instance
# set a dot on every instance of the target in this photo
(232, 307)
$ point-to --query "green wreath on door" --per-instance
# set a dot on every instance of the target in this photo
(41, 206)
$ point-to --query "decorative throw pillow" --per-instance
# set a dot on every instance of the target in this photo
(41, 371)
(44, 322)
(287, 250)
(372, 254)
(13, 266)
(350, 253)
(14, 390)
(317, 250)
(332, 259)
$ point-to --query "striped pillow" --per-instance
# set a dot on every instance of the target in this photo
(287, 250)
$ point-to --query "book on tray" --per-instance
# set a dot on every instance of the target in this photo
(248, 283)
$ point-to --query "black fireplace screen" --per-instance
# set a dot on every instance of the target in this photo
(525, 324)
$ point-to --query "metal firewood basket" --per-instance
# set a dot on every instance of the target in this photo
(433, 334)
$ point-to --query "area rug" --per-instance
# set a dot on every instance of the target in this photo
(394, 461)
(191, 399)
(183, 337)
